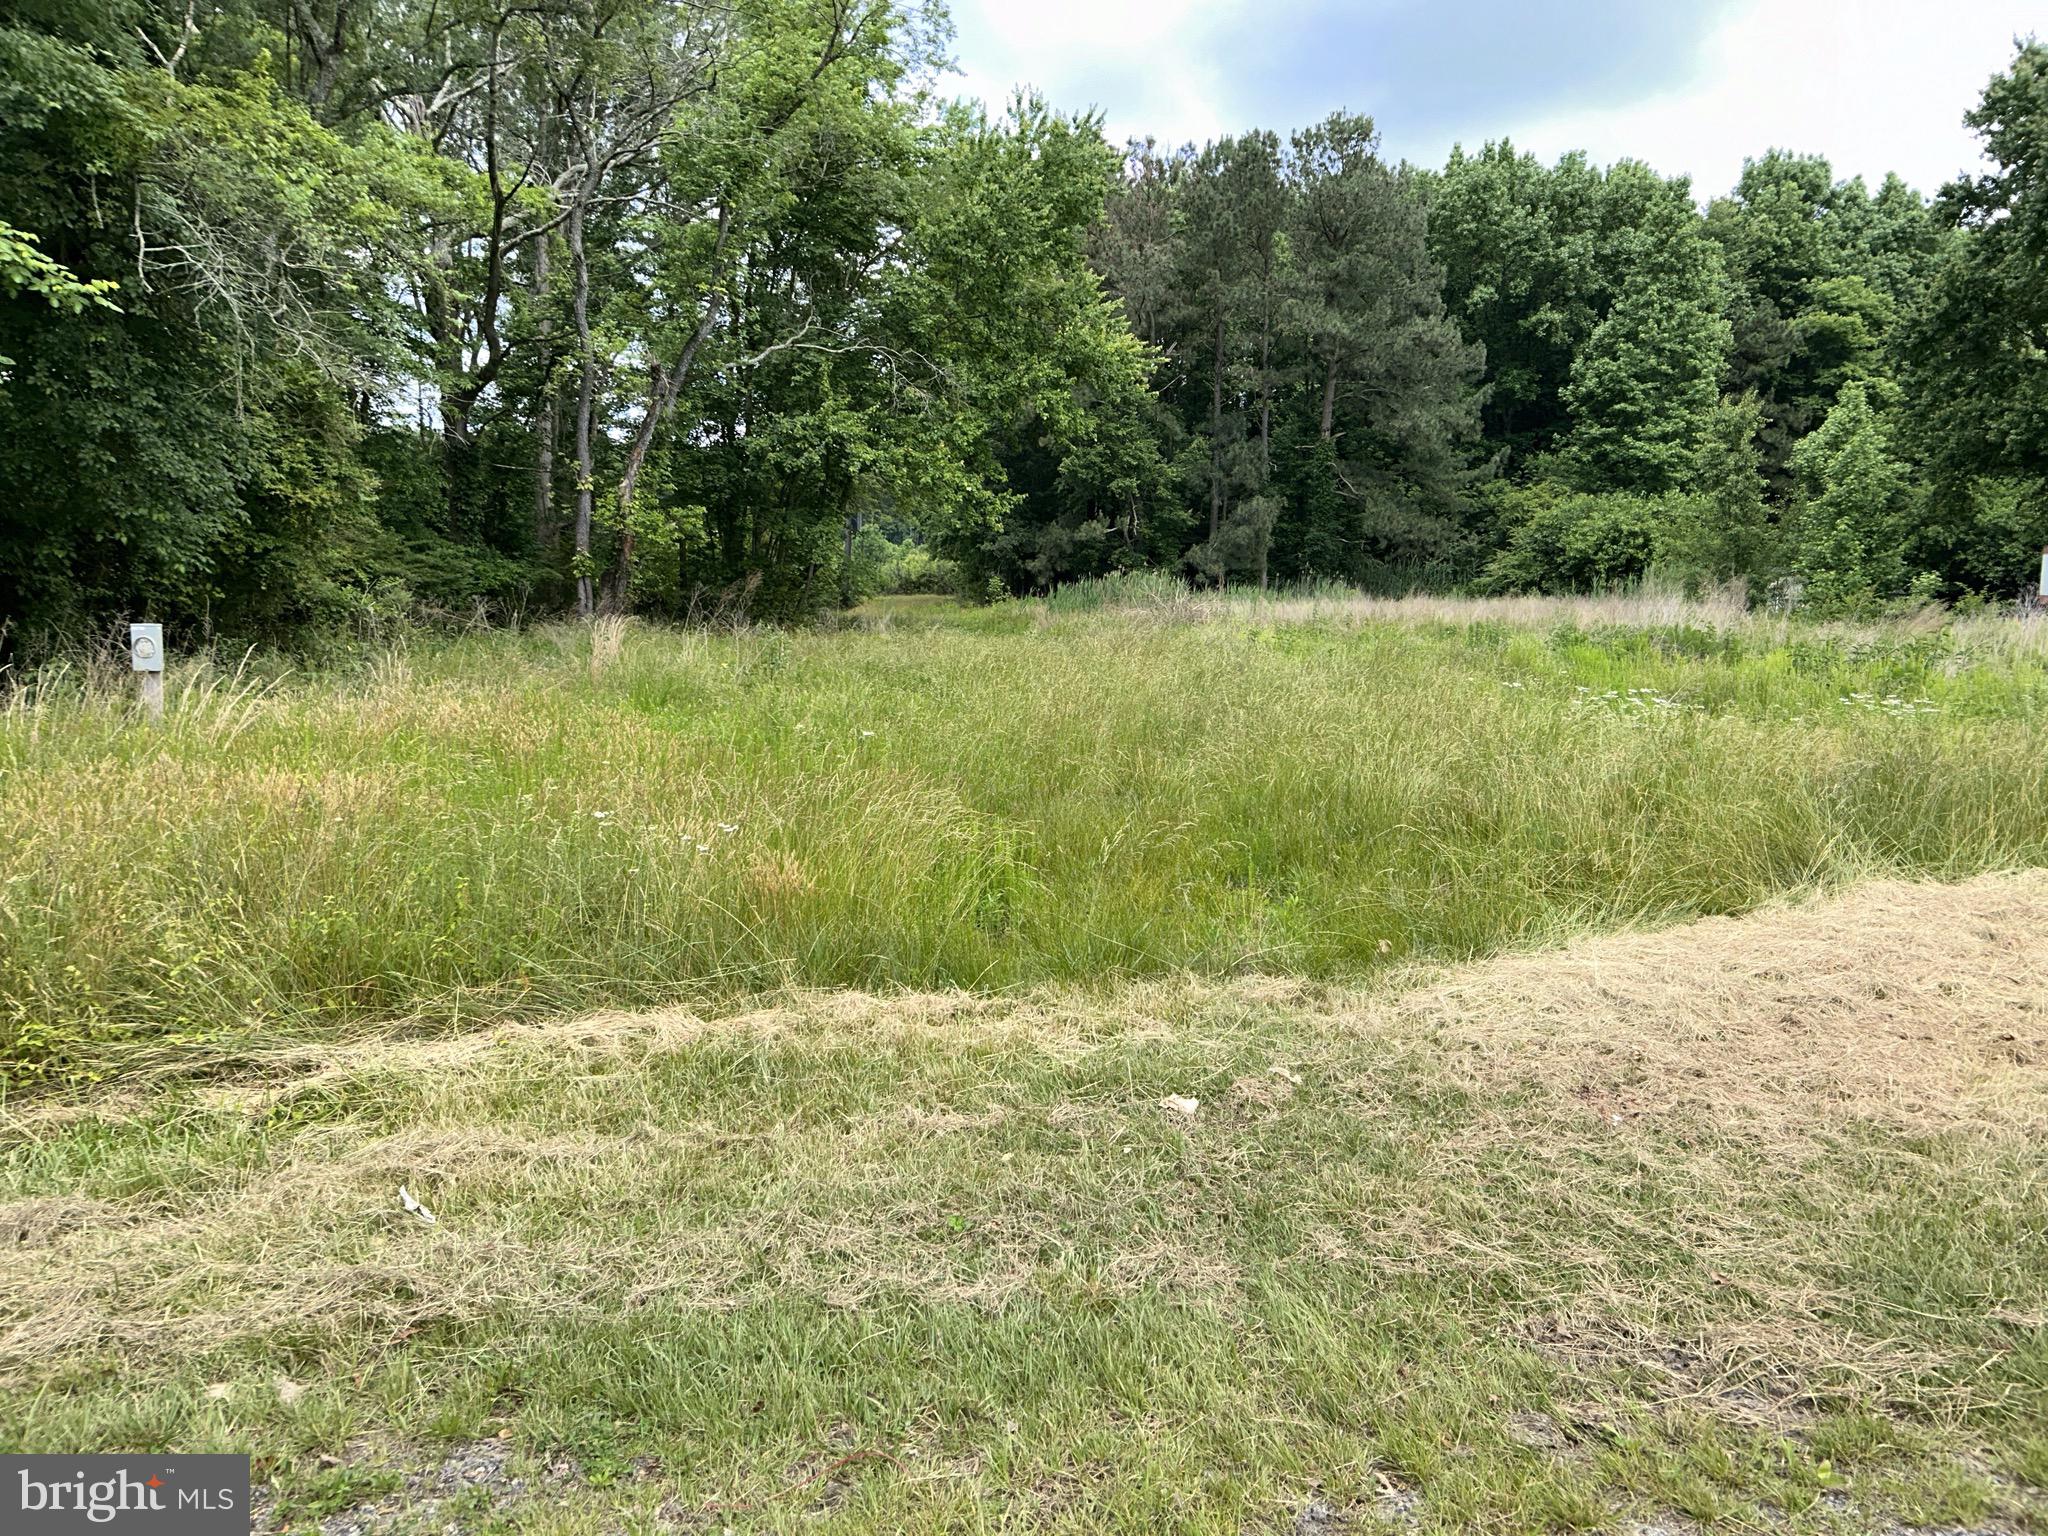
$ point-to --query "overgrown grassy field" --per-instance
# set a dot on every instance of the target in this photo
(1272, 1100)
(549, 822)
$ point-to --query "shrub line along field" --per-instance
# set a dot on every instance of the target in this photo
(793, 1035)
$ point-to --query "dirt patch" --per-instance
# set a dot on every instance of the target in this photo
(1724, 1374)
(1537, 1432)
(1394, 1504)
(468, 1484)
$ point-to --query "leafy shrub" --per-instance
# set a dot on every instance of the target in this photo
(912, 569)
(1561, 540)
(1854, 510)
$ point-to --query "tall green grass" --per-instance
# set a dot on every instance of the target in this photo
(552, 821)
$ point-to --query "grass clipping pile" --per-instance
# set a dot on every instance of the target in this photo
(573, 1174)
(1918, 1006)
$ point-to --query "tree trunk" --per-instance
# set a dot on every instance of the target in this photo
(1266, 397)
(586, 388)
(846, 592)
(544, 530)
(454, 403)
(1216, 435)
(1329, 395)
(663, 386)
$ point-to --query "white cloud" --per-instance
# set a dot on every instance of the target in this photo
(1875, 85)
(1152, 66)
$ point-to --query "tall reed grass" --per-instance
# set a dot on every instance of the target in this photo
(564, 819)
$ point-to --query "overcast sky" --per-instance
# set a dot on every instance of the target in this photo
(1692, 86)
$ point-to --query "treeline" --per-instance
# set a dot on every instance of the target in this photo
(318, 314)
(324, 311)
(1516, 376)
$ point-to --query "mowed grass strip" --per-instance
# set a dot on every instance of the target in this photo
(547, 823)
(1739, 1223)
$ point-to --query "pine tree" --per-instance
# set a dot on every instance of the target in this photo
(1394, 385)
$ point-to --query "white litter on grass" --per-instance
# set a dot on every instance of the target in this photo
(1276, 1070)
(413, 1207)
(1179, 1105)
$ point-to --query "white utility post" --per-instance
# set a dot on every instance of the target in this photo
(146, 656)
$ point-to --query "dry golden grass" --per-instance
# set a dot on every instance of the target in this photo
(1997, 633)
(1920, 1007)
(607, 643)
(1635, 609)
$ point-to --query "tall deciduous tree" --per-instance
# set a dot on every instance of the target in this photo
(1643, 387)
(1818, 272)
(1521, 249)
(1976, 369)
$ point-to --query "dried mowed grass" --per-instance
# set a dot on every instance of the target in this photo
(1919, 1007)
(1740, 1221)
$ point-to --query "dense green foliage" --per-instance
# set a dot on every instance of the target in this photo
(325, 313)
(319, 313)
(1615, 316)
